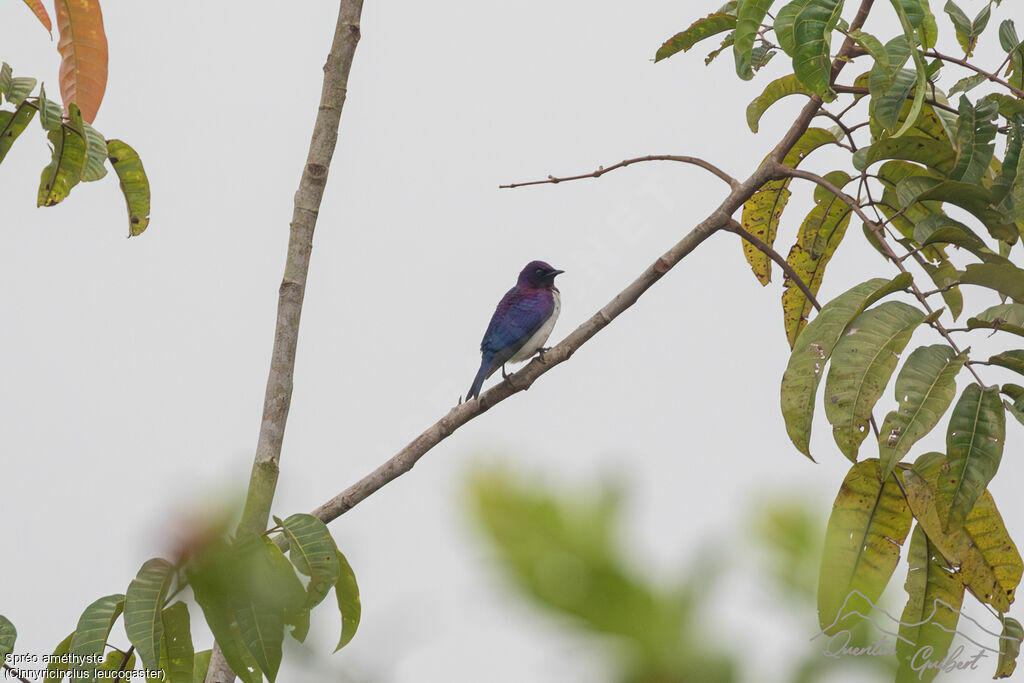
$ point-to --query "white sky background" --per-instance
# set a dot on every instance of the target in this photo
(132, 372)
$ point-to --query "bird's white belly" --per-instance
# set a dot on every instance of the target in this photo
(534, 343)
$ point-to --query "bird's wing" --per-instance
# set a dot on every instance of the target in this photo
(516, 318)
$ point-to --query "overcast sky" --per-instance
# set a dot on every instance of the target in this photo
(132, 372)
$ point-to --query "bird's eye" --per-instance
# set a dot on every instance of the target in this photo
(538, 270)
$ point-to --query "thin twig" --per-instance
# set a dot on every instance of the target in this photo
(127, 656)
(981, 72)
(622, 164)
(768, 251)
(856, 90)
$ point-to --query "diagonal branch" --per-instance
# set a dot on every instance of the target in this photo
(277, 401)
(622, 164)
(770, 252)
(981, 72)
(720, 219)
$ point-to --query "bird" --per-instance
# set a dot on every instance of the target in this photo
(521, 323)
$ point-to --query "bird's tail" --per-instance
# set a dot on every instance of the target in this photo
(478, 383)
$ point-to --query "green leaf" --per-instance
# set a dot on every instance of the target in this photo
(973, 198)
(820, 235)
(57, 668)
(726, 43)
(986, 557)
(886, 108)
(11, 126)
(19, 89)
(312, 551)
(874, 47)
(177, 659)
(6, 77)
(812, 24)
(925, 387)
(1012, 360)
(813, 349)
(96, 154)
(201, 665)
(144, 602)
(776, 90)
(1009, 647)
(975, 134)
(134, 184)
(1008, 39)
(921, 74)
(868, 524)
(761, 213)
(883, 75)
(749, 15)
(216, 576)
(974, 447)
(93, 628)
(68, 163)
(1006, 317)
(862, 363)
(50, 113)
(713, 24)
(1006, 279)
(934, 599)
(347, 592)
(114, 661)
(941, 229)
(936, 154)
(8, 634)
(967, 31)
(967, 83)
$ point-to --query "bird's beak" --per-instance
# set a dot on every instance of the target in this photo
(556, 272)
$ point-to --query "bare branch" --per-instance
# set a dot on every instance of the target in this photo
(733, 183)
(277, 401)
(967, 65)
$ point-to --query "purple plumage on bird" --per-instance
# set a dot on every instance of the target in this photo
(521, 323)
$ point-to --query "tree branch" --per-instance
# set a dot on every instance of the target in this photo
(622, 164)
(777, 257)
(855, 90)
(967, 65)
(277, 401)
(720, 219)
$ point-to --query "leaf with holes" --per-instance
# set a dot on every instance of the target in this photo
(83, 51)
(862, 363)
(711, 25)
(812, 351)
(134, 184)
(1009, 647)
(986, 557)
(925, 388)
(12, 124)
(819, 237)
(868, 524)
(761, 213)
(68, 161)
(974, 447)
(934, 598)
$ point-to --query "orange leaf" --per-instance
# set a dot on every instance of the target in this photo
(37, 9)
(83, 50)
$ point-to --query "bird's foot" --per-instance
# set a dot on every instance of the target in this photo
(504, 375)
(540, 354)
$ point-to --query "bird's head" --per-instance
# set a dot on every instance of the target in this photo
(538, 275)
